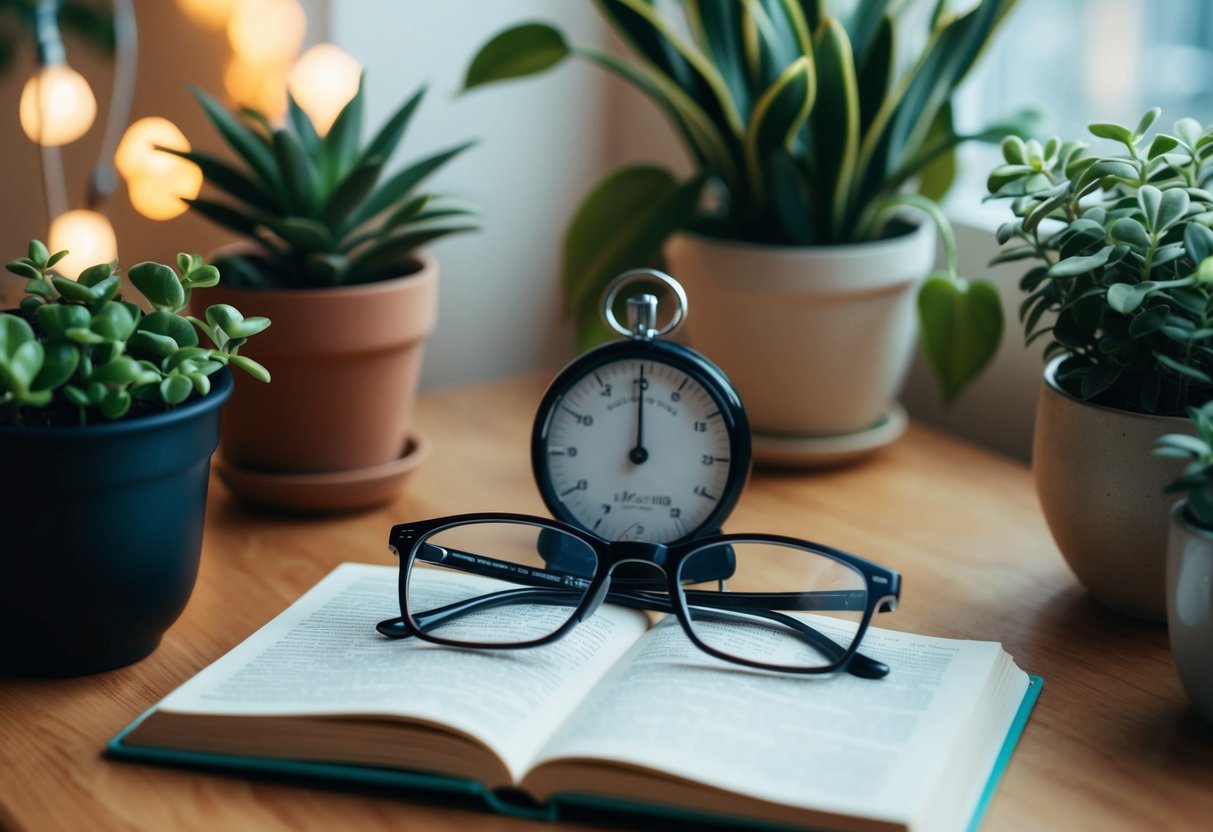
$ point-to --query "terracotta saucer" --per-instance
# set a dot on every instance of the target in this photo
(334, 491)
(827, 451)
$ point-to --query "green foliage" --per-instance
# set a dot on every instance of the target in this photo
(801, 126)
(1196, 482)
(76, 345)
(315, 206)
(1120, 278)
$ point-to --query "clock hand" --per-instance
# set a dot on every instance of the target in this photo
(639, 455)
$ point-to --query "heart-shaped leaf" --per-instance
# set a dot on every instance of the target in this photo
(159, 284)
(962, 326)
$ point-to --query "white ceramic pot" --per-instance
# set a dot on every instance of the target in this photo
(1101, 492)
(1190, 608)
(817, 340)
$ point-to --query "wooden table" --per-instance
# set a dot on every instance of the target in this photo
(1111, 745)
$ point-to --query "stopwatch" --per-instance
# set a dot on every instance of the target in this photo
(642, 438)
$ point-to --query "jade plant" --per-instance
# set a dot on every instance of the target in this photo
(75, 352)
(803, 126)
(1196, 482)
(1118, 243)
(314, 206)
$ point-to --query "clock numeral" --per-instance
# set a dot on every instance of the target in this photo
(701, 427)
(701, 491)
(675, 513)
(581, 485)
(586, 420)
(642, 384)
(707, 459)
(605, 391)
(675, 396)
(570, 451)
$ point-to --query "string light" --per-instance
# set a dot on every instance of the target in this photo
(261, 87)
(89, 238)
(267, 31)
(57, 106)
(210, 14)
(323, 81)
(137, 155)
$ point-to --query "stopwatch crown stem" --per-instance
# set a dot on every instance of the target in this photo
(642, 316)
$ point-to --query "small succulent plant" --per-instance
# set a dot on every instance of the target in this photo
(75, 350)
(1121, 280)
(314, 206)
(1197, 479)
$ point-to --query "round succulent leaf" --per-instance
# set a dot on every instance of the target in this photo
(72, 290)
(160, 346)
(235, 325)
(1130, 231)
(186, 263)
(201, 383)
(1113, 132)
(95, 391)
(24, 268)
(1149, 321)
(159, 284)
(1014, 151)
(38, 253)
(61, 359)
(120, 370)
(95, 274)
(175, 389)
(14, 331)
(1189, 131)
(113, 321)
(1162, 144)
(76, 396)
(1147, 121)
(84, 336)
(162, 322)
(116, 404)
(202, 277)
(1172, 206)
(251, 367)
(40, 288)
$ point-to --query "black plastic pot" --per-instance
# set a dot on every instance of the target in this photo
(100, 533)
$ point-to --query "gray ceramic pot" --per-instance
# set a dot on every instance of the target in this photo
(1190, 608)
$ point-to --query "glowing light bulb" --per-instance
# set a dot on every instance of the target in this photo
(210, 14)
(89, 238)
(267, 31)
(57, 106)
(323, 81)
(259, 86)
(159, 197)
(137, 155)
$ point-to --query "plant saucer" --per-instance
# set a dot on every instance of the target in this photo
(826, 451)
(333, 491)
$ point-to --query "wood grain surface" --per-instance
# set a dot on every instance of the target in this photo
(1112, 744)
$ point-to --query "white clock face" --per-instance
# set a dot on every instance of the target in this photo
(638, 450)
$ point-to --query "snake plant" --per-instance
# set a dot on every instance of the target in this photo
(803, 127)
(313, 205)
(74, 349)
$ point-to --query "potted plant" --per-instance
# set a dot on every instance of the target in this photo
(1119, 288)
(334, 255)
(1190, 558)
(108, 418)
(807, 140)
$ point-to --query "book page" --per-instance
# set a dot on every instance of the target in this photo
(322, 656)
(874, 748)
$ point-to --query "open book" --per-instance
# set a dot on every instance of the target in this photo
(620, 713)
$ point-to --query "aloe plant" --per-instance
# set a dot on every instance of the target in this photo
(313, 205)
(802, 130)
(74, 349)
(1120, 256)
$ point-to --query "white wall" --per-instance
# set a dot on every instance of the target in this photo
(542, 144)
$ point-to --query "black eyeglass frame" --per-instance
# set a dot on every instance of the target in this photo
(881, 591)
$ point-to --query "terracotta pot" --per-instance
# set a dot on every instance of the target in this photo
(345, 363)
(1190, 608)
(1101, 491)
(817, 340)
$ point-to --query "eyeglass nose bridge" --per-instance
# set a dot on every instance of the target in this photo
(635, 564)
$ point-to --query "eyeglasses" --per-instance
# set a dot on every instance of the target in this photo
(508, 581)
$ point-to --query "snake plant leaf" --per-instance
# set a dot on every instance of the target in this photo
(159, 284)
(835, 120)
(515, 53)
(961, 329)
(222, 175)
(864, 25)
(936, 176)
(644, 29)
(778, 114)
(341, 143)
(399, 186)
(621, 225)
(251, 148)
(387, 254)
(384, 144)
(719, 30)
(299, 175)
(60, 359)
(351, 191)
(301, 123)
(875, 74)
(789, 198)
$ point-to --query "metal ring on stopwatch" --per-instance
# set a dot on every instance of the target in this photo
(633, 276)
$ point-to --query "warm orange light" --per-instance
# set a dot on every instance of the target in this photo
(259, 86)
(323, 81)
(88, 237)
(210, 14)
(160, 197)
(137, 155)
(267, 31)
(57, 106)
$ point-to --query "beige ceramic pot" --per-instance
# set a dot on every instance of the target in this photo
(1101, 491)
(817, 340)
(331, 430)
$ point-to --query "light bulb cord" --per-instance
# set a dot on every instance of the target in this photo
(104, 178)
